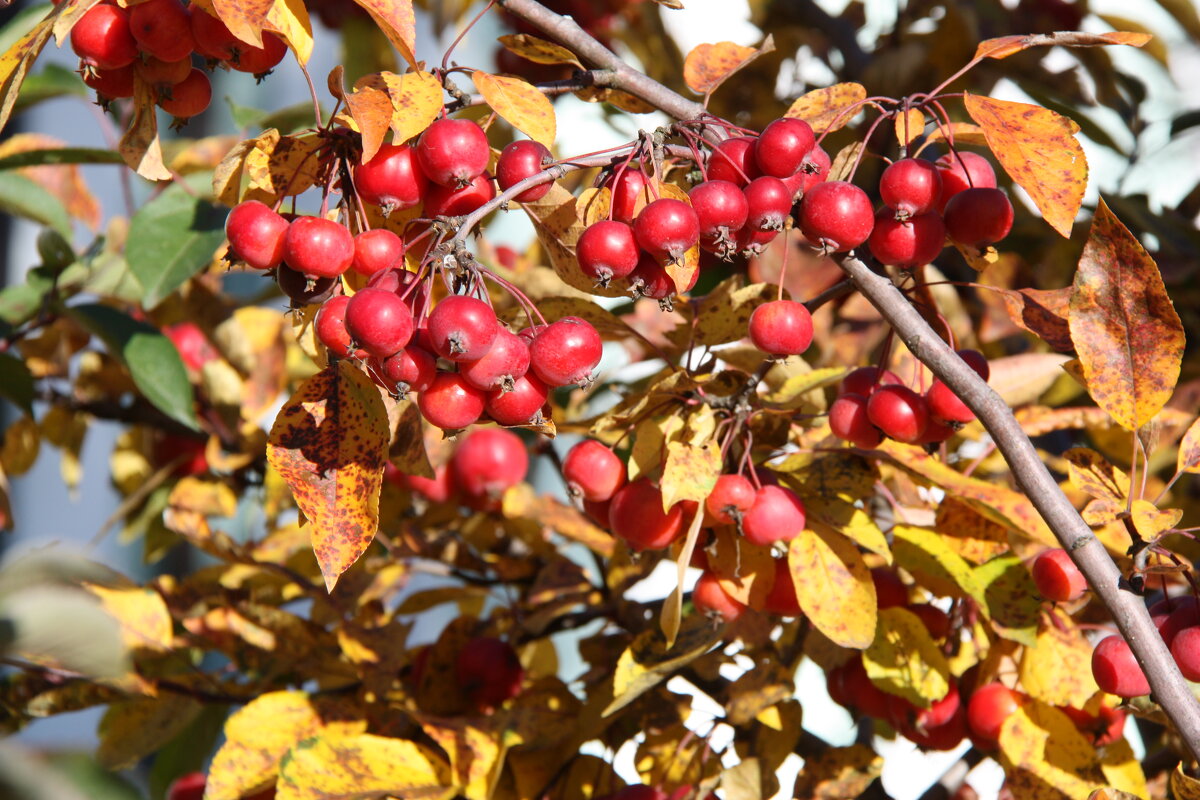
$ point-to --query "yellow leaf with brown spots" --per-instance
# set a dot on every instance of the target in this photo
(520, 103)
(1043, 313)
(904, 659)
(1151, 521)
(959, 133)
(329, 444)
(476, 755)
(1045, 757)
(539, 51)
(1184, 786)
(1005, 46)
(416, 102)
(1038, 149)
(1124, 327)
(15, 63)
(142, 613)
(341, 766)
(244, 18)
(398, 23)
(909, 125)
(690, 472)
(280, 166)
(1090, 473)
(140, 146)
(1057, 669)
(829, 109)
(289, 18)
(259, 735)
(132, 730)
(834, 587)
(707, 66)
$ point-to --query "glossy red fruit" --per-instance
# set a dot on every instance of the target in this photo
(782, 147)
(379, 321)
(1184, 613)
(188, 787)
(163, 75)
(848, 420)
(301, 289)
(941, 737)
(782, 598)
(593, 471)
(667, 228)
(730, 499)
(713, 601)
(636, 515)
(256, 234)
(392, 179)
(162, 28)
(733, 160)
(318, 247)
(523, 159)
(376, 251)
(963, 170)
(626, 190)
(189, 97)
(776, 516)
(769, 202)
(910, 186)
(522, 405)
(462, 328)
(978, 217)
(260, 60)
(890, 590)
(836, 216)
(720, 206)
(990, 705)
(505, 361)
(566, 352)
(102, 37)
(865, 380)
(781, 328)
(905, 716)
(906, 243)
(607, 249)
(1116, 670)
(1057, 578)
(443, 201)
(111, 84)
(213, 39)
(194, 347)
(410, 370)
(453, 152)
(1185, 648)
(650, 279)
(330, 327)
(489, 672)
(451, 403)
(899, 412)
(936, 621)
(488, 461)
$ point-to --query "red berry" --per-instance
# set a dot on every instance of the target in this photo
(907, 243)
(259, 60)
(163, 75)
(489, 671)
(521, 405)
(667, 228)
(814, 171)
(565, 352)
(213, 39)
(606, 250)
(102, 37)
(776, 516)
(636, 515)
(188, 787)
(836, 215)
(162, 28)
(488, 461)
(722, 210)
(848, 420)
(1057, 578)
(392, 179)
(301, 289)
(438, 489)
(890, 591)
(963, 170)
(910, 186)
(899, 412)
(1103, 728)
(990, 705)
(189, 97)
(453, 152)
(505, 361)
(946, 736)
(781, 328)
(330, 326)
(978, 217)
(907, 716)
(451, 403)
(711, 599)
(444, 201)
(865, 380)
(379, 321)
(782, 598)
(111, 84)
(522, 159)
(1185, 613)
(462, 328)
(733, 160)
(944, 404)
(769, 202)
(376, 251)
(1186, 651)
(650, 279)
(936, 621)
(861, 691)
(194, 347)
(409, 370)
(1116, 670)
(626, 190)
(256, 234)
(318, 247)
(782, 147)
(730, 499)
(593, 471)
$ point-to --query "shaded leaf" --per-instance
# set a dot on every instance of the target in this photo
(1188, 459)
(837, 773)
(61, 626)
(1012, 600)
(396, 19)
(927, 556)
(828, 109)
(1042, 312)
(707, 66)
(834, 587)
(648, 661)
(904, 660)
(16, 382)
(344, 766)
(521, 502)
(132, 730)
(520, 103)
(60, 155)
(142, 613)
(172, 238)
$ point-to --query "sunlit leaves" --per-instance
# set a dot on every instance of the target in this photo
(1005, 46)
(398, 22)
(140, 146)
(905, 660)
(707, 66)
(829, 109)
(339, 766)
(521, 104)
(834, 587)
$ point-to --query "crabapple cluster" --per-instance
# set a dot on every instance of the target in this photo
(873, 403)
(1178, 622)
(154, 42)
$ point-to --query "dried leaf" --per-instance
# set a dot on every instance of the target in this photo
(289, 18)
(1005, 46)
(648, 661)
(834, 587)
(539, 51)
(280, 166)
(1038, 149)
(707, 66)
(139, 146)
(329, 444)
(416, 102)
(1125, 329)
(837, 773)
(829, 109)
(476, 755)
(362, 765)
(1042, 312)
(520, 103)
(904, 659)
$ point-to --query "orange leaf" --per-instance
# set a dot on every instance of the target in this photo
(958, 133)
(140, 146)
(329, 444)
(1038, 149)
(828, 109)
(909, 125)
(1042, 312)
(539, 51)
(1005, 46)
(520, 104)
(244, 18)
(1125, 329)
(398, 23)
(371, 108)
(710, 65)
(15, 63)
(289, 19)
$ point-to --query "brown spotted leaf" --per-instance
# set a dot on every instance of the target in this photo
(398, 23)
(690, 473)
(710, 65)
(1045, 756)
(834, 587)
(279, 166)
(648, 660)
(958, 133)
(1125, 329)
(1038, 149)
(904, 660)
(1042, 312)
(1005, 46)
(140, 146)
(289, 18)
(539, 51)
(416, 102)
(521, 104)
(1189, 449)
(830, 108)
(362, 765)
(244, 18)
(837, 773)
(329, 444)
(1090, 473)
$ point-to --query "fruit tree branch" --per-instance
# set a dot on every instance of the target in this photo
(1169, 688)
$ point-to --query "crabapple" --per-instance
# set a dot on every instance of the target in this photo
(318, 247)
(450, 402)
(782, 146)
(1057, 578)
(781, 328)
(731, 497)
(710, 598)
(256, 234)
(776, 516)
(565, 352)
(989, 706)
(1116, 670)
(490, 673)
(592, 471)
(910, 186)
(462, 328)
(836, 215)
(523, 159)
(488, 461)
(392, 179)
(453, 152)
(636, 515)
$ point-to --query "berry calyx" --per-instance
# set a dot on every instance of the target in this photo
(730, 499)
(453, 152)
(768, 203)
(593, 472)
(781, 328)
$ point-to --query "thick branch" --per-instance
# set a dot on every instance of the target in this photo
(1129, 611)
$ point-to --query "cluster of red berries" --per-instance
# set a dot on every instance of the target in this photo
(485, 463)
(1178, 622)
(874, 403)
(154, 42)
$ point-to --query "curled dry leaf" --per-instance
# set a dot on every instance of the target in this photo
(539, 51)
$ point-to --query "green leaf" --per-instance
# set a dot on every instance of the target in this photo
(24, 198)
(172, 238)
(16, 382)
(53, 81)
(61, 155)
(152, 360)
(20, 302)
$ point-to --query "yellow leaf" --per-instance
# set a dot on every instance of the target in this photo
(244, 18)
(1057, 669)
(289, 18)
(1045, 756)
(648, 660)
(520, 103)
(672, 612)
(139, 146)
(1090, 473)
(329, 443)
(1184, 786)
(938, 568)
(1012, 600)
(520, 502)
(362, 765)
(371, 108)
(1123, 772)
(1038, 149)
(15, 63)
(1150, 521)
(1124, 326)
(1005, 46)
(397, 21)
(227, 177)
(145, 620)
(829, 109)
(476, 755)
(539, 51)
(745, 571)
(958, 133)
(132, 730)
(905, 660)
(1188, 459)
(416, 102)
(280, 166)
(838, 772)
(690, 472)
(710, 65)
(260, 734)
(909, 125)
(834, 587)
